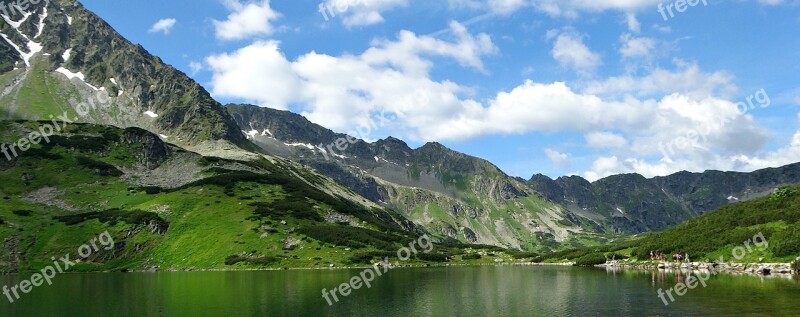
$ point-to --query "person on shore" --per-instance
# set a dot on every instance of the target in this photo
(687, 257)
(652, 255)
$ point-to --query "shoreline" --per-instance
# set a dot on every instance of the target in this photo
(761, 269)
(731, 268)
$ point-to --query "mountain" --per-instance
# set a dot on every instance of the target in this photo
(61, 58)
(171, 209)
(451, 194)
(636, 204)
(761, 230)
(392, 174)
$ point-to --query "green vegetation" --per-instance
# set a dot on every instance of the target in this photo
(354, 237)
(717, 233)
(134, 217)
(590, 259)
(22, 213)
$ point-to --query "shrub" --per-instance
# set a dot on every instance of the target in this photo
(796, 265)
(368, 257)
(786, 242)
(474, 256)
(2, 221)
(262, 260)
(523, 255)
(22, 213)
(432, 257)
(353, 237)
(134, 217)
(591, 259)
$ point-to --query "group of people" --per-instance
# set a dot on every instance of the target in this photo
(677, 257)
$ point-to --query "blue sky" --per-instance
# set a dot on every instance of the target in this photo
(592, 88)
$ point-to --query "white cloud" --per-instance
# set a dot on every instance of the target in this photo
(163, 25)
(258, 73)
(637, 47)
(559, 159)
(687, 79)
(572, 8)
(663, 29)
(195, 67)
(633, 23)
(344, 92)
(605, 140)
(645, 113)
(506, 6)
(246, 20)
(570, 51)
(363, 12)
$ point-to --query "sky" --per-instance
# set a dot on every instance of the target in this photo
(570, 87)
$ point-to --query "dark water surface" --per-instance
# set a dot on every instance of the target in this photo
(453, 291)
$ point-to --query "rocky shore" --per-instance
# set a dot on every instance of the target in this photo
(751, 268)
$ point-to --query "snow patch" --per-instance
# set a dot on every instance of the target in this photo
(309, 146)
(265, 132)
(33, 48)
(151, 114)
(113, 81)
(46, 54)
(620, 210)
(16, 24)
(377, 159)
(5, 37)
(733, 198)
(164, 136)
(41, 22)
(252, 134)
(66, 55)
(69, 20)
(70, 74)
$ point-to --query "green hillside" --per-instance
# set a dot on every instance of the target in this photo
(716, 234)
(208, 214)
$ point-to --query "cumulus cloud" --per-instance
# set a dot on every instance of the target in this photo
(655, 123)
(687, 78)
(559, 159)
(246, 20)
(570, 51)
(605, 140)
(163, 25)
(637, 47)
(343, 92)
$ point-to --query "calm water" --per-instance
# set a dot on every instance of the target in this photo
(461, 291)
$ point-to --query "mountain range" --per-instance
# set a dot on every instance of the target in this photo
(61, 57)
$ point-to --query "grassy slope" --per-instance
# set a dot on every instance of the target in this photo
(717, 233)
(209, 220)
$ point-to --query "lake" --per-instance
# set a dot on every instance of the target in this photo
(451, 291)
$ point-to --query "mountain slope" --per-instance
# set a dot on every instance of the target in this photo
(63, 58)
(636, 204)
(451, 194)
(171, 209)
